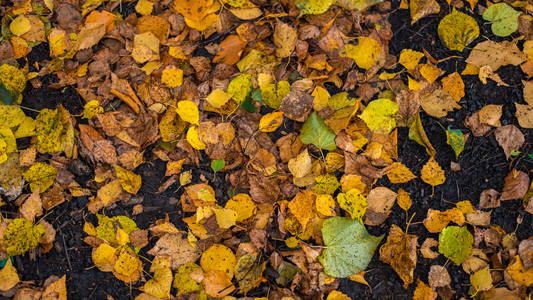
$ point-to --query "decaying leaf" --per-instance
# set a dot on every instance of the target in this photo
(457, 30)
(510, 139)
(399, 251)
(516, 185)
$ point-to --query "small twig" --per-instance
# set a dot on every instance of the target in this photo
(66, 251)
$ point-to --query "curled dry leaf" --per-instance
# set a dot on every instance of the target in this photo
(437, 220)
(422, 8)
(489, 199)
(425, 249)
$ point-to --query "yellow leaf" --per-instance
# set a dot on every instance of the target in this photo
(20, 25)
(436, 220)
(457, 30)
(243, 205)
(353, 202)
(10, 115)
(246, 13)
(172, 77)
(202, 24)
(518, 273)
(91, 109)
(26, 128)
(403, 199)
(188, 111)
(481, 280)
(127, 267)
(8, 276)
(21, 236)
(240, 86)
(144, 7)
(192, 138)
(41, 176)
(413, 84)
(271, 121)
(465, 207)
(57, 290)
(325, 205)
(151, 66)
(409, 58)
(218, 258)
(432, 173)
(130, 181)
(49, 131)
(453, 85)
(292, 242)
(59, 42)
(193, 9)
(300, 206)
(103, 257)
(145, 47)
(183, 281)
(336, 295)
(159, 285)
(176, 52)
(359, 277)
(239, 3)
(217, 98)
(8, 137)
(365, 53)
(430, 72)
(110, 192)
(424, 292)
(225, 217)
(399, 173)
(321, 98)
(122, 237)
(379, 115)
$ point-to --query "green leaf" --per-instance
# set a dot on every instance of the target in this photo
(248, 105)
(456, 30)
(456, 139)
(349, 247)
(239, 87)
(503, 17)
(418, 134)
(217, 164)
(455, 243)
(7, 96)
(316, 132)
(379, 115)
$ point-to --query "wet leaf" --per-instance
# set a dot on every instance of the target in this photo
(379, 115)
(194, 140)
(314, 131)
(217, 284)
(438, 276)
(457, 30)
(503, 17)
(20, 25)
(432, 173)
(399, 251)
(455, 243)
(349, 247)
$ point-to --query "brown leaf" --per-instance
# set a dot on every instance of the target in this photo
(528, 92)
(516, 185)
(400, 252)
(32, 207)
(472, 123)
(297, 106)
(425, 249)
(422, 8)
(177, 247)
(490, 115)
(489, 199)
(381, 199)
(510, 138)
(90, 34)
(438, 104)
(438, 276)
(285, 38)
(524, 114)
(230, 50)
(495, 55)
(525, 251)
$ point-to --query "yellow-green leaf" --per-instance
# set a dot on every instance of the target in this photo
(379, 115)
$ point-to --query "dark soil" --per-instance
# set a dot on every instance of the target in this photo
(483, 165)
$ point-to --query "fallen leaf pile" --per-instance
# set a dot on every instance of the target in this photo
(294, 109)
